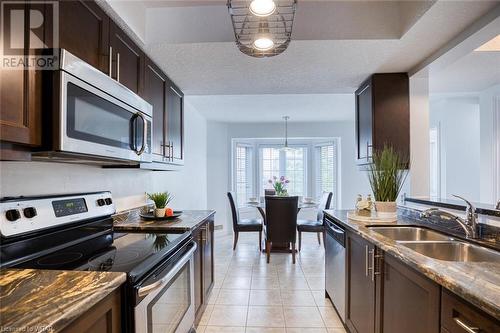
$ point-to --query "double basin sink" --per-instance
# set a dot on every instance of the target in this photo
(436, 245)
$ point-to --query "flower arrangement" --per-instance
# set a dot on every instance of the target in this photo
(279, 185)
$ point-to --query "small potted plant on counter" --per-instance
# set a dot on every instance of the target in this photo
(387, 175)
(161, 200)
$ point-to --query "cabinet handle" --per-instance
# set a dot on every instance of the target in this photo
(466, 327)
(110, 63)
(171, 150)
(368, 146)
(118, 67)
(367, 268)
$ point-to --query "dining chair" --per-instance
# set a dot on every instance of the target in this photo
(243, 225)
(315, 225)
(281, 222)
(268, 192)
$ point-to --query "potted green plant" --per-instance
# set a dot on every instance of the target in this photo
(387, 175)
(161, 200)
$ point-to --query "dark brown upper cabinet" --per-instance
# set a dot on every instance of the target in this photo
(127, 59)
(84, 32)
(155, 92)
(382, 115)
(20, 93)
(175, 124)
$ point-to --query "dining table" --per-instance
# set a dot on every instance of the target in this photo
(261, 206)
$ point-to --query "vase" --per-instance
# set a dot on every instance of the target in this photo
(386, 209)
(160, 212)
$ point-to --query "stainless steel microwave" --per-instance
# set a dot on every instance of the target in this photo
(93, 118)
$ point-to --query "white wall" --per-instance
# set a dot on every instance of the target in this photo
(488, 180)
(458, 120)
(352, 180)
(189, 186)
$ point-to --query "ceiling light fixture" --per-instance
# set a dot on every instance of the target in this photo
(493, 45)
(262, 8)
(262, 29)
(285, 148)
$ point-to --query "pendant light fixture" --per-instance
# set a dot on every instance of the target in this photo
(285, 147)
(262, 8)
(262, 28)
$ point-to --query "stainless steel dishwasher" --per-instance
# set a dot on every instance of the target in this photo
(335, 262)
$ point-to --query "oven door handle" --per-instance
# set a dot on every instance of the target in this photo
(145, 290)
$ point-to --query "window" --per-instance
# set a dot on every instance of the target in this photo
(291, 164)
(243, 173)
(326, 170)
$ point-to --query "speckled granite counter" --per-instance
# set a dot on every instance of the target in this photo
(34, 300)
(189, 220)
(476, 282)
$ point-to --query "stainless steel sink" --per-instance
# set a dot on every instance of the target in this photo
(410, 233)
(454, 251)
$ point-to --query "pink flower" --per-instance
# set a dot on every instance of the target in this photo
(287, 181)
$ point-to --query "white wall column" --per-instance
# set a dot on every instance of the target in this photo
(419, 136)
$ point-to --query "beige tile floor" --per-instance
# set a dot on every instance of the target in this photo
(251, 296)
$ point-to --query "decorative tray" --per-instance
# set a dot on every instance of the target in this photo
(151, 216)
(373, 218)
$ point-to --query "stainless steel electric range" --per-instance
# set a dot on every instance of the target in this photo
(75, 232)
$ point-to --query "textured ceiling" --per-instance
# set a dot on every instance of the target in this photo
(473, 73)
(332, 51)
(270, 108)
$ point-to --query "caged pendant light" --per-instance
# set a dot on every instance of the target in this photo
(262, 28)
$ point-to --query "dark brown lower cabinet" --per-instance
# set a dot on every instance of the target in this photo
(203, 265)
(104, 317)
(409, 301)
(458, 316)
(360, 316)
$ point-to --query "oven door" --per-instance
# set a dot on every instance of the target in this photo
(168, 303)
(92, 122)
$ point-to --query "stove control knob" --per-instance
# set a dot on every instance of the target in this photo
(12, 215)
(100, 202)
(108, 201)
(30, 212)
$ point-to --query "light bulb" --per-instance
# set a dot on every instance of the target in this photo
(263, 43)
(262, 8)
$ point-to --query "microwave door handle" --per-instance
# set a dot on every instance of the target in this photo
(144, 134)
(144, 291)
(133, 132)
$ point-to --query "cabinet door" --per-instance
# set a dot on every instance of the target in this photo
(458, 316)
(410, 301)
(127, 58)
(198, 272)
(154, 91)
(84, 32)
(360, 317)
(364, 123)
(175, 123)
(208, 259)
(20, 87)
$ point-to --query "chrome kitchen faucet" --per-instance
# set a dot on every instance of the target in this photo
(469, 224)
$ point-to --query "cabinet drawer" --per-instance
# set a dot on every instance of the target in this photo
(457, 316)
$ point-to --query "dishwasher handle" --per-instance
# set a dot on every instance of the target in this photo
(337, 232)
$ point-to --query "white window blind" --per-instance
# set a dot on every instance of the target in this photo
(326, 172)
(243, 173)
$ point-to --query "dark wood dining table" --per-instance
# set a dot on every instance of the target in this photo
(261, 206)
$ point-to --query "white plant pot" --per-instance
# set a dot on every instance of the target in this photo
(160, 212)
(386, 209)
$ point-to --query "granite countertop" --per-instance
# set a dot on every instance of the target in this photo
(33, 300)
(189, 220)
(476, 282)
